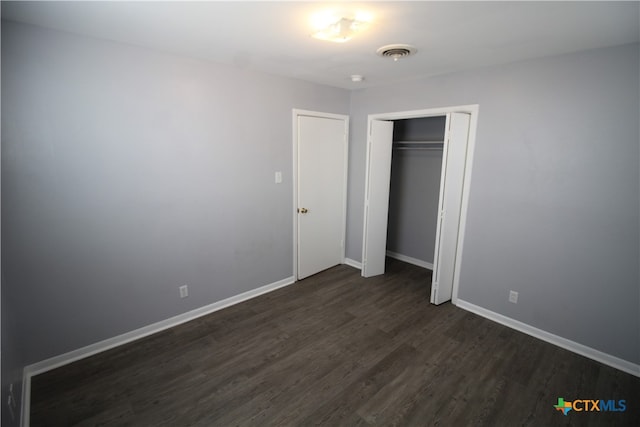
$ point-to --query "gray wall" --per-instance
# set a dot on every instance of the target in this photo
(127, 173)
(554, 201)
(12, 360)
(414, 189)
(420, 129)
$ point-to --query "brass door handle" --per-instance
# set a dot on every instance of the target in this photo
(303, 210)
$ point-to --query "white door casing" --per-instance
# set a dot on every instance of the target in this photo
(320, 211)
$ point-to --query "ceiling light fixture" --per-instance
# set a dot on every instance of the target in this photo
(357, 78)
(339, 29)
(396, 51)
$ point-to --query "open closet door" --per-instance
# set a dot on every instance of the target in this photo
(377, 194)
(449, 206)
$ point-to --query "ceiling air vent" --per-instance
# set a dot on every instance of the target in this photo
(396, 51)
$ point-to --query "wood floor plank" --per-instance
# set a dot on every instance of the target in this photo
(334, 349)
(344, 405)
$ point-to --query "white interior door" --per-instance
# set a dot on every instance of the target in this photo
(450, 203)
(322, 161)
(376, 205)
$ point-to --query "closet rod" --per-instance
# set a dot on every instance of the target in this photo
(419, 148)
(418, 145)
(419, 142)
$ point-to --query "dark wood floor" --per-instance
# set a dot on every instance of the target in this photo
(334, 350)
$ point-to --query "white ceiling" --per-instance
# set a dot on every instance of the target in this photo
(275, 36)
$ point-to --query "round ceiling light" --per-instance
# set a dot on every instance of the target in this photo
(396, 51)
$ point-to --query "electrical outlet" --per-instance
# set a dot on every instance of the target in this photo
(184, 291)
(513, 297)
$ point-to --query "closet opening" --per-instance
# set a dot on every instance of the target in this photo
(414, 189)
(399, 211)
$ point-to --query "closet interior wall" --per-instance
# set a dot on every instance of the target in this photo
(414, 189)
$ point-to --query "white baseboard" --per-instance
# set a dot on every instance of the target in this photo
(583, 350)
(25, 407)
(92, 349)
(353, 263)
(410, 260)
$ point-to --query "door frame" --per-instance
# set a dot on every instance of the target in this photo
(296, 112)
(473, 111)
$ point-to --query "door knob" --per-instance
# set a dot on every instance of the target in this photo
(303, 210)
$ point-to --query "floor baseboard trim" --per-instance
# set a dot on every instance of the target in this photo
(109, 343)
(25, 407)
(353, 263)
(410, 260)
(581, 349)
